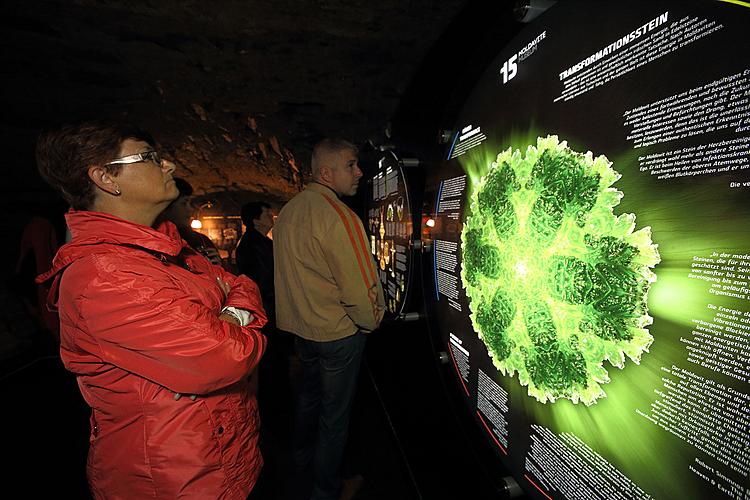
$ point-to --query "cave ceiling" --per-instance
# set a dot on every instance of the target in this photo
(236, 92)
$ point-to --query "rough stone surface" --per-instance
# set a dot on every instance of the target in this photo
(236, 91)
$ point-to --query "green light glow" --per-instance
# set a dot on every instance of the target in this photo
(557, 283)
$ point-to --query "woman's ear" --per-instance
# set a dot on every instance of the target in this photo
(104, 180)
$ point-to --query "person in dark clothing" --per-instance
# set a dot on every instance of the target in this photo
(255, 252)
(254, 256)
(179, 212)
(41, 237)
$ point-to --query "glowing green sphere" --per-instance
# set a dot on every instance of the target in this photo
(557, 284)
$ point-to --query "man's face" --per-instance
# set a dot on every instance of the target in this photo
(345, 173)
(264, 223)
(181, 210)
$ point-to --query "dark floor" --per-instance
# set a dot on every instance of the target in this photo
(407, 441)
(45, 422)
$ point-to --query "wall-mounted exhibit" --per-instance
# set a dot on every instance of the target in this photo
(589, 272)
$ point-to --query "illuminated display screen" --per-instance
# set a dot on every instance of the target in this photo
(590, 270)
(390, 231)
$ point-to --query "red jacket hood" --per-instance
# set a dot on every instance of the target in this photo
(97, 232)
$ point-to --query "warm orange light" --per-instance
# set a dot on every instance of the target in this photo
(430, 223)
(196, 224)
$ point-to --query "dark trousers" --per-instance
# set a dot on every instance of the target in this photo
(328, 376)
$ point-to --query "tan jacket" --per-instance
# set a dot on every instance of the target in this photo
(326, 282)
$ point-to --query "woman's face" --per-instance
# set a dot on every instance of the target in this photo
(145, 184)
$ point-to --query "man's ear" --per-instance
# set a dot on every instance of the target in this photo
(103, 180)
(325, 173)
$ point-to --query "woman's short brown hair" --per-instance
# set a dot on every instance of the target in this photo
(64, 156)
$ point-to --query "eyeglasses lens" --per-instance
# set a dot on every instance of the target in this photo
(153, 156)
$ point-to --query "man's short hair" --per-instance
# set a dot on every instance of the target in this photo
(64, 156)
(324, 149)
(252, 211)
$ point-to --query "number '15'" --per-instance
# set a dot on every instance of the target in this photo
(509, 69)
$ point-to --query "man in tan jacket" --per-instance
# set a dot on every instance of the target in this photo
(327, 294)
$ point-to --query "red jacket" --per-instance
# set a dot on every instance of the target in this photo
(136, 327)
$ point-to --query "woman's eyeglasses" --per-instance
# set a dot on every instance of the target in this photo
(137, 158)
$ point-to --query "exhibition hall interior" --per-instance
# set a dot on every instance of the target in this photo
(551, 198)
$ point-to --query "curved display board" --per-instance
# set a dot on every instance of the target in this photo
(591, 251)
(390, 229)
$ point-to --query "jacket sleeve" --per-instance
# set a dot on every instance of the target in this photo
(244, 294)
(152, 327)
(353, 269)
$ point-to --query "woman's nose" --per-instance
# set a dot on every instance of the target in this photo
(168, 166)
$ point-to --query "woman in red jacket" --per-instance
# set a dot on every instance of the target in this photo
(161, 341)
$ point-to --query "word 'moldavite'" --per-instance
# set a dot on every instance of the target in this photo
(557, 284)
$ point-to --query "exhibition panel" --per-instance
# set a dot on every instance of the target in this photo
(589, 263)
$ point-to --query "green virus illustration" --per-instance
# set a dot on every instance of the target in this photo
(557, 284)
